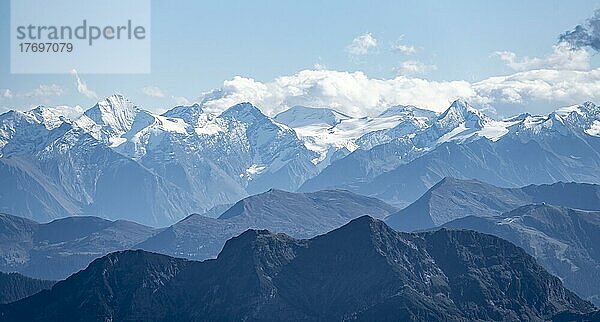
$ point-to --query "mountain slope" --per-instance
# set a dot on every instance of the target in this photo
(301, 215)
(443, 275)
(299, 116)
(184, 161)
(451, 198)
(334, 136)
(463, 143)
(57, 249)
(502, 163)
(63, 170)
(189, 160)
(14, 286)
(563, 240)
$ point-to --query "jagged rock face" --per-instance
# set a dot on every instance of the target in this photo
(363, 270)
(465, 144)
(189, 160)
(57, 249)
(451, 199)
(192, 160)
(300, 215)
(65, 171)
(184, 161)
(560, 238)
(563, 240)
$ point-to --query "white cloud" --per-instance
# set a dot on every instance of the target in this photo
(319, 66)
(82, 87)
(362, 44)
(7, 93)
(45, 90)
(414, 67)
(550, 86)
(405, 49)
(351, 93)
(180, 100)
(357, 94)
(563, 57)
(153, 91)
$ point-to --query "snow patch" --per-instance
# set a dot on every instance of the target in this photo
(114, 142)
(594, 129)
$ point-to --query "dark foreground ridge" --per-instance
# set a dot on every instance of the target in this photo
(563, 240)
(361, 271)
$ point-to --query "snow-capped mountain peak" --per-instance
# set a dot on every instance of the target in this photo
(407, 110)
(587, 109)
(196, 117)
(53, 117)
(46, 116)
(299, 116)
(585, 116)
(244, 112)
(461, 112)
(590, 108)
(189, 114)
(397, 110)
(114, 114)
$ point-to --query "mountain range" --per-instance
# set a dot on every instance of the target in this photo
(60, 248)
(300, 215)
(563, 240)
(464, 143)
(190, 160)
(556, 223)
(181, 162)
(57, 249)
(451, 199)
(361, 271)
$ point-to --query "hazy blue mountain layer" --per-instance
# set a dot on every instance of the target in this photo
(363, 270)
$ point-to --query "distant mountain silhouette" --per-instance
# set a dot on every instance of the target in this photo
(362, 271)
(451, 199)
(59, 248)
(300, 215)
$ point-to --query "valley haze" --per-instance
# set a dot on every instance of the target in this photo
(286, 161)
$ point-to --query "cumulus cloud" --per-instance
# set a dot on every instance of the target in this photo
(153, 91)
(414, 67)
(362, 45)
(563, 57)
(359, 95)
(45, 91)
(550, 86)
(405, 49)
(82, 87)
(351, 93)
(584, 35)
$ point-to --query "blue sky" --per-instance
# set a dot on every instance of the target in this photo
(196, 46)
